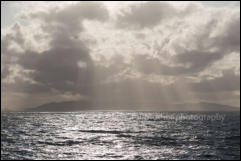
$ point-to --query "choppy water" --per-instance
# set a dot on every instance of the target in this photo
(118, 135)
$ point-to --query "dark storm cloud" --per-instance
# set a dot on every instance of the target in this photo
(229, 81)
(58, 68)
(197, 60)
(66, 66)
(190, 62)
(229, 40)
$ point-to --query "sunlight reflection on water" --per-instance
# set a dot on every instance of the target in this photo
(117, 135)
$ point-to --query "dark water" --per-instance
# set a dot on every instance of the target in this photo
(120, 135)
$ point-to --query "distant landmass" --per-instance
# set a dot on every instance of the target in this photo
(69, 106)
(205, 106)
(61, 107)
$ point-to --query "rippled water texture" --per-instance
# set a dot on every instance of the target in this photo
(117, 135)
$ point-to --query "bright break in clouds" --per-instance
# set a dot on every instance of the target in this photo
(126, 55)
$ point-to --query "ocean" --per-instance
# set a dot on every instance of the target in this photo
(110, 135)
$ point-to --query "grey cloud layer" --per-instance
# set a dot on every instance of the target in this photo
(69, 19)
(144, 15)
(68, 66)
(190, 61)
(57, 68)
(229, 81)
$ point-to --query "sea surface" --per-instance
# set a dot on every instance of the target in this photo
(120, 135)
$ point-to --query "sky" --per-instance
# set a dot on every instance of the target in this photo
(140, 55)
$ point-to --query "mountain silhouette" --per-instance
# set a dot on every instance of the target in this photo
(69, 106)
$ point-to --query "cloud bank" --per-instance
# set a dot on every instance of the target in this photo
(143, 56)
